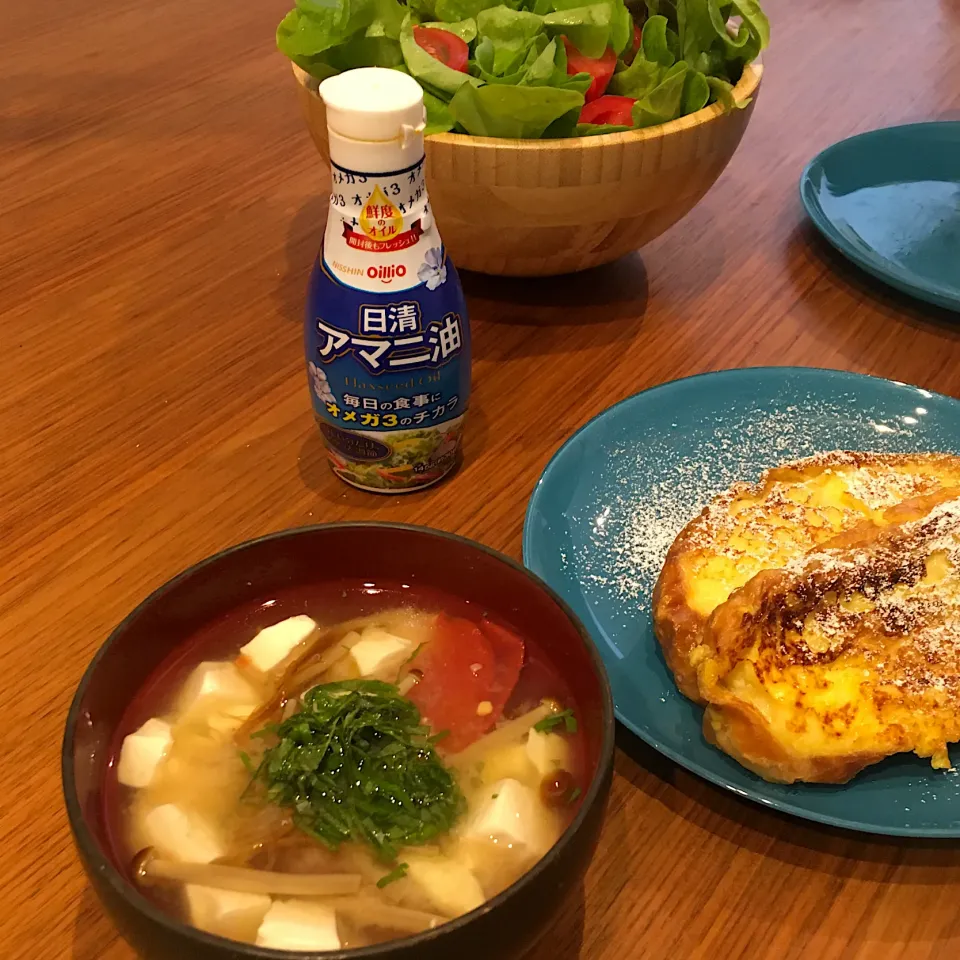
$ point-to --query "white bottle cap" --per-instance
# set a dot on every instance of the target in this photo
(373, 104)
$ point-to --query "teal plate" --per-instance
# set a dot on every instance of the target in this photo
(890, 201)
(614, 496)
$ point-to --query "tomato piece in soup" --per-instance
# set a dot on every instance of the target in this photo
(467, 676)
(508, 659)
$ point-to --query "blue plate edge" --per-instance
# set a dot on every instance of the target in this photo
(725, 371)
(895, 280)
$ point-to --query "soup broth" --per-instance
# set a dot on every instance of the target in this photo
(340, 769)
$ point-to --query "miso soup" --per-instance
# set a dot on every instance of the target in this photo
(338, 770)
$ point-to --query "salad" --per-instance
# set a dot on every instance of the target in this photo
(530, 69)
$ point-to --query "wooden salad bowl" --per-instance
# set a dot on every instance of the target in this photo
(528, 208)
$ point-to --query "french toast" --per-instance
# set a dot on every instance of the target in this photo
(790, 510)
(845, 656)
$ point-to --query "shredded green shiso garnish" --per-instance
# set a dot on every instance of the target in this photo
(564, 718)
(397, 873)
(355, 763)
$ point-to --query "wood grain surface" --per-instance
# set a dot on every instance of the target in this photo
(160, 207)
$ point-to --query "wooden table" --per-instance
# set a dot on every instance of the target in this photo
(160, 206)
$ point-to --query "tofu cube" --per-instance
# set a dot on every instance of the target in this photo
(448, 886)
(228, 913)
(182, 836)
(380, 653)
(142, 752)
(511, 815)
(218, 687)
(549, 752)
(273, 644)
(296, 925)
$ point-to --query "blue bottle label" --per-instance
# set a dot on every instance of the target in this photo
(389, 372)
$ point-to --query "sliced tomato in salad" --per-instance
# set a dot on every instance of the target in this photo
(609, 109)
(600, 68)
(444, 46)
(464, 669)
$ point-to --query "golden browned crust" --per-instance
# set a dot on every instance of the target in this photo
(679, 628)
(739, 731)
(904, 640)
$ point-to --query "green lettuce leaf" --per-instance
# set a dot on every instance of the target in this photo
(483, 64)
(432, 75)
(664, 102)
(597, 129)
(621, 20)
(705, 41)
(753, 34)
(711, 62)
(374, 45)
(543, 70)
(515, 112)
(754, 18)
(637, 80)
(653, 42)
(588, 27)
(556, 6)
(563, 80)
(317, 67)
(546, 65)
(466, 30)
(696, 30)
(564, 126)
(507, 34)
(365, 52)
(621, 27)
(722, 92)
(550, 68)
(422, 9)
(301, 37)
(579, 82)
(439, 117)
(453, 10)
(317, 25)
(696, 93)
(739, 46)
(387, 20)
